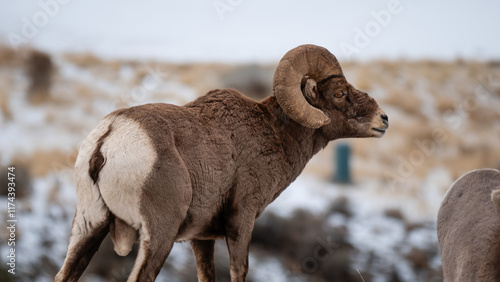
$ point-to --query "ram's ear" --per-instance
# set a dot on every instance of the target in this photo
(495, 197)
(309, 88)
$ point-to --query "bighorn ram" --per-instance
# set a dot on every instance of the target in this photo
(468, 228)
(161, 173)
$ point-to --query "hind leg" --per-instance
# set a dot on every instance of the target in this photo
(153, 251)
(156, 240)
(164, 205)
(83, 244)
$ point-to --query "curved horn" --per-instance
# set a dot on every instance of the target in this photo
(313, 61)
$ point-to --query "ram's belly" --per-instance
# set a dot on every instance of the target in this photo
(201, 224)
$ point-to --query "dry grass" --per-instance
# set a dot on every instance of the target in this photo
(364, 81)
(436, 71)
(361, 276)
(41, 162)
(202, 77)
(98, 67)
(85, 92)
(4, 105)
(409, 103)
(9, 57)
(444, 103)
(85, 60)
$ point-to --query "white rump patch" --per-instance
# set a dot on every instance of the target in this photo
(129, 158)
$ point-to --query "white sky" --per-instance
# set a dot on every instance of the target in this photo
(256, 30)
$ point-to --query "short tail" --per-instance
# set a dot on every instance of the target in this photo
(97, 160)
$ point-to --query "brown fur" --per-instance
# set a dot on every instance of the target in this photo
(223, 158)
(469, 228)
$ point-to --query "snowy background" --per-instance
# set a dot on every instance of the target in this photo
(259, 30)
(433, 67)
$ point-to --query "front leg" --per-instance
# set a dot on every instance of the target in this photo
(238, 236)
(203, 251)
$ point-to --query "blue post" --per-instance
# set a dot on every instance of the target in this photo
(342, 163)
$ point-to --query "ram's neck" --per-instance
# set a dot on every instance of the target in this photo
(299, 143)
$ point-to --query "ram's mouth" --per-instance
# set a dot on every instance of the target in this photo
(379, 132)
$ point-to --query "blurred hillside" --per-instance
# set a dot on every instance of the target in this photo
(444, 121)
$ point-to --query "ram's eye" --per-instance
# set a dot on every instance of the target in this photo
(339, 95)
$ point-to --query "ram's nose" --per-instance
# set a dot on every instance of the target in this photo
(385, 119)
(380, 123)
